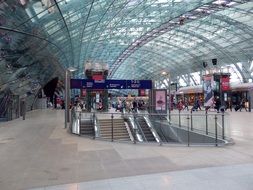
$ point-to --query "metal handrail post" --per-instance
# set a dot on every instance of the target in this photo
(112, 127)
(191, 122)
(223, 125)
(93, 124)
(206, 123)
(179, 117)
(188, 127)
(134, 135)
(216, 135)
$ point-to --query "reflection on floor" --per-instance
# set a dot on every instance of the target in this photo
(196, 179)
(38, 152)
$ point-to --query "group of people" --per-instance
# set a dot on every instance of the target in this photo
(217, 105)
(184, 105)
(229, 105)
(129, 106)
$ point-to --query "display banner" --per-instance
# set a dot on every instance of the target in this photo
(208, 85)
(97, 77)
(83, 92)
(160, 100)
(110, 84)
(225, 83)
(142, 92)
(76, 83)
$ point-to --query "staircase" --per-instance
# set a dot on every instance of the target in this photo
(87, 128)
(146, 130)
(120, 132)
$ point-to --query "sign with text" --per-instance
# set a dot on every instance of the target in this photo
(110, 84)
(225, 83)
(208, 86)
(160, 100)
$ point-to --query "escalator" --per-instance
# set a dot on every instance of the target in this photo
(4, 106)
(87, 128)
(158, 124)
(148, 135)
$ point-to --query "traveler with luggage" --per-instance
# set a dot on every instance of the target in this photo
(217, 104)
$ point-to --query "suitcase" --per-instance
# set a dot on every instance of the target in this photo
(237, 107)
(195, 108)
(222, 108)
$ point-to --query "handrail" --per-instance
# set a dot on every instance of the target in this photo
(96, 125)
(129, 132)
(140, 129)
(134, 127)
(162, 131)
(157, 138)
(74, 125)
(192, 124)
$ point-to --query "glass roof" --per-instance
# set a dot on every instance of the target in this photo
(138, 39)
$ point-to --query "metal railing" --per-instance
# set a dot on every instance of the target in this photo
(188, 128)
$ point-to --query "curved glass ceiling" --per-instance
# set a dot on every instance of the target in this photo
(138, 39)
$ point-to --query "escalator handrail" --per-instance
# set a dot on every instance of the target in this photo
(140, 128)
(153, 131)
(96, 125)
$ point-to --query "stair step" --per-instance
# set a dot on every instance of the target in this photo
(119, 129)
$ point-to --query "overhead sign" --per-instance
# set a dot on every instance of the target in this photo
(110, 84)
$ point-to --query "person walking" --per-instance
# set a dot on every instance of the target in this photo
(198, 104)
(243, 104)
(217, 104)
(230, 104)
(186, 104)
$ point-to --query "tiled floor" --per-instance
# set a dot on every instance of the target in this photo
(237, 177)
(38, 152)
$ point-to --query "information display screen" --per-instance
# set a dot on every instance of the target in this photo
(110, 84)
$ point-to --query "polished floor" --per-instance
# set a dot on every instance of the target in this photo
(39, 154)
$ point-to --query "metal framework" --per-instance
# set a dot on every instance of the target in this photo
(138, 39)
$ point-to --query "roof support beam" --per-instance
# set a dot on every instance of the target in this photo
(170, 25)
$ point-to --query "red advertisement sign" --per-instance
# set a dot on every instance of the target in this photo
(97, 77)
(83, 92)
(225, 83)
(142, 92)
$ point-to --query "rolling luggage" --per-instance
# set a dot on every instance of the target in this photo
(195, 108)
(222, 108)
(237, 107)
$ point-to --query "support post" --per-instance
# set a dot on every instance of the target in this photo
(23, 109)
(169, 99)
(216, 131)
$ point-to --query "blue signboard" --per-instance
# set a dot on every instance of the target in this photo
(115, 84)
(110, 84)
(139, 84)
(76, 83)
(92, 84)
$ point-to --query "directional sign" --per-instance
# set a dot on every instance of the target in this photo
(110, 84)
(139, 84)
(76, 83)
(115, 84)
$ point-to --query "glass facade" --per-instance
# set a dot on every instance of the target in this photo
(138, 39)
